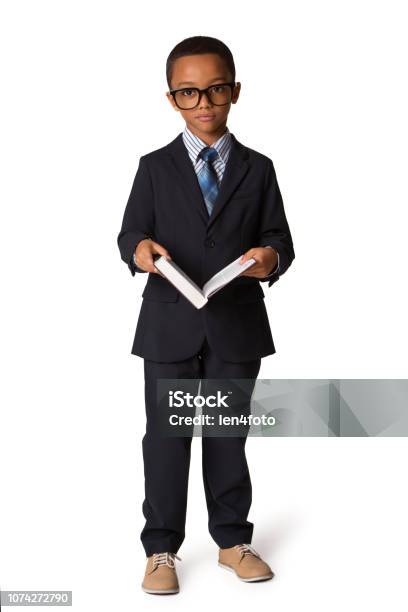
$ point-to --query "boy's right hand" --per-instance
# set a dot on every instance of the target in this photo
(144, 252)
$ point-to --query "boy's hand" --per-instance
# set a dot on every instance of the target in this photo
(266, 260)
(144, 255)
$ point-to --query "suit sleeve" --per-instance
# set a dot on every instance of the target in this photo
(274, 228)
(138, 218)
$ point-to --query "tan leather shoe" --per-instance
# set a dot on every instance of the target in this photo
(160, 576)
(245, 562)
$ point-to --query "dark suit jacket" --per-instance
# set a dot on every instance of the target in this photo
(167, 204)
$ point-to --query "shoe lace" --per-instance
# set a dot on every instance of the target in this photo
(247, 549)
(166, 558)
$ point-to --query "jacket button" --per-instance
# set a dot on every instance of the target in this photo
(209, 243)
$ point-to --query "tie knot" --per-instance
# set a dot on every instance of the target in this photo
(209, 154)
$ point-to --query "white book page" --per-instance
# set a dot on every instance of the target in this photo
(177, 277)
(225, 276)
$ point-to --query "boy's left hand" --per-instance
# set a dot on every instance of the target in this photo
(266, 260)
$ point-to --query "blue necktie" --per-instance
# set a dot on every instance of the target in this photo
(208, 177)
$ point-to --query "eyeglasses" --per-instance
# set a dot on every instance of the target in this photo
(189, 97)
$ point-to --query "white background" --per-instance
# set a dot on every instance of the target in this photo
(329, 514)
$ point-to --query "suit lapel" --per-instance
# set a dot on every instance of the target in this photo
(235, 170)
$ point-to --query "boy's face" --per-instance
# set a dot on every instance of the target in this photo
(202, 71)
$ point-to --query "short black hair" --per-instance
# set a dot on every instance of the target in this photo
(198, 45)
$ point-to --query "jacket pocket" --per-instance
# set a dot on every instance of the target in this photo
(245, 193)
(159, 289)
(248, 292)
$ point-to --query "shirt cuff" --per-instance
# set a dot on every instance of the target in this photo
(132, 264)
(276, 269)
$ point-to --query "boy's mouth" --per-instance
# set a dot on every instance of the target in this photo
(205, 117)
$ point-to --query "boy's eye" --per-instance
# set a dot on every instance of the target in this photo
(188, 92)
(218, 88)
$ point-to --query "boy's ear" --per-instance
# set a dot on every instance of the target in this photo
(236, 92)
(171, 100)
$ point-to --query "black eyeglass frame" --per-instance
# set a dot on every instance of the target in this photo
(200, 93)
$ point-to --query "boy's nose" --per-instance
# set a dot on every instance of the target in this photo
(204, 97)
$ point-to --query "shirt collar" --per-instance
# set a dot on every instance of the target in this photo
(194, 144)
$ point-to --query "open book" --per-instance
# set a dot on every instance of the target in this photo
(199, 297)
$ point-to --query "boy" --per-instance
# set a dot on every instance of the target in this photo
(202, 200)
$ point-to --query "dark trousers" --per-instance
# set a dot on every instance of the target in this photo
(166, 459)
